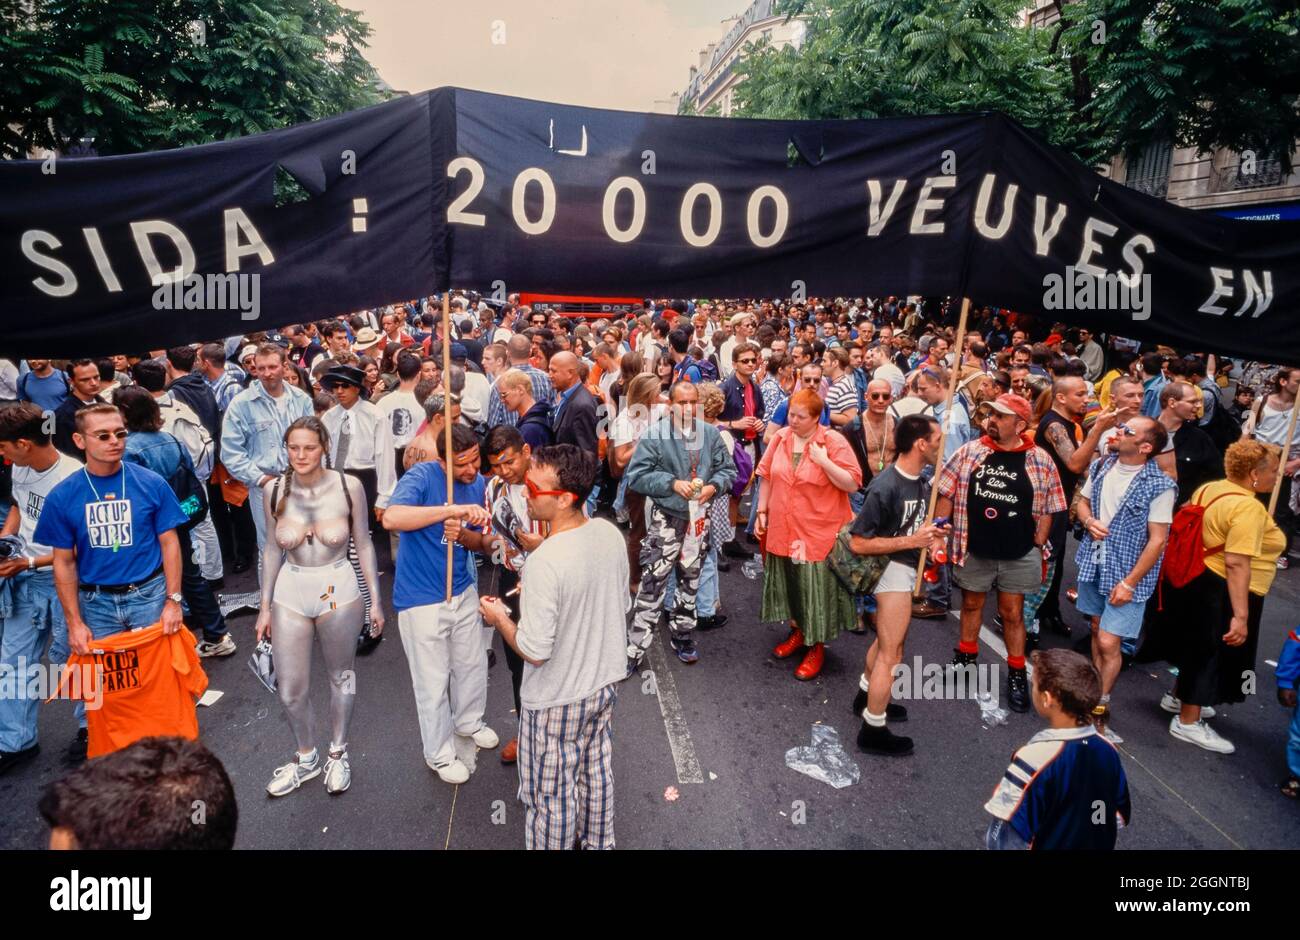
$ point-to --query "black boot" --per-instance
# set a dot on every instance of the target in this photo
(893, 711)
(1018, 690)
(710, 623)
(960, 659)
(734, 549)
(881, 740)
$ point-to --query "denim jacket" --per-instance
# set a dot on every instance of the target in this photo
(252, 433)
(1128, 531)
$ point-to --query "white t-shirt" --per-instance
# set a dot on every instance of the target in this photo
(478, 388)
(843, 395)
(404, 415)
(30, 487)
(574, 602)
(631, 423)
(1116, 485)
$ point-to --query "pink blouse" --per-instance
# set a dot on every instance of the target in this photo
(805, 509)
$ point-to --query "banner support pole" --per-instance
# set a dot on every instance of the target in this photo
(1286, 455)
(450, 462)
(943, 438)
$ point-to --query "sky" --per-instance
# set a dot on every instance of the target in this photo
(624, 54)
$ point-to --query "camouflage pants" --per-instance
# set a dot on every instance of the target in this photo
(660, 556)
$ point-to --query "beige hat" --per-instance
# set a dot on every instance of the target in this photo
(740, 318)
(366, 337)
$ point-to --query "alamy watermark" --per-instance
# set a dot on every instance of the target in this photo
(1080, 290)
(242, 292)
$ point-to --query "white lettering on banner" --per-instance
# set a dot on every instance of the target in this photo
(143, 233)
(1044, 231)
(982, 208)
(97, 252)
(877, 217)
(633, 186)
(68, 283)
(710, 192)
(782, 216)
(925, 205)
(109, 523)
(543, 179)
(456, 210)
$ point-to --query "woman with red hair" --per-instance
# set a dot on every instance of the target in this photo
(807, 474)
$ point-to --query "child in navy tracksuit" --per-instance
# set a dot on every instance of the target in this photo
(1288, 671)
(1066, 788)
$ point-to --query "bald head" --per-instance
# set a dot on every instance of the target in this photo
(1070, 395)
(564, 371)
(519, 348)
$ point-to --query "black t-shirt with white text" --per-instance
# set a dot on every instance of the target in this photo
(1000, 507)
(895, 505)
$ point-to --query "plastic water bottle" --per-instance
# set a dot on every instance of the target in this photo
(752, 568)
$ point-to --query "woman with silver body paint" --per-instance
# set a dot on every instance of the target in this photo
(310, 591)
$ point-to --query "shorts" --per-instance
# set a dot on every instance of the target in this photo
(315, 591)
(896, 579)
(1124, 621)
(1014, 576)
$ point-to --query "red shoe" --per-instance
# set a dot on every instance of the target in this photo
(790, 646)
(510, 753)
(812, 663)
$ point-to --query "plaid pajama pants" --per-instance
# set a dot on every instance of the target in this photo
(566, 774)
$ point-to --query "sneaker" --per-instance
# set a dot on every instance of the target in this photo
(1109, 734)
(873, 740)
(294, 774)
(76, 752)
(634, 663)
(222, 647)
(1018, 690)
(11, 759)
(1200, 734)
(1170, 704)
(710, 623)
(685, 649)
(486, 738)
(452, 772)
(338, 773)
(1283, 563)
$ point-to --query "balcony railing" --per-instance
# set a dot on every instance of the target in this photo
(1266, 173)
(1157, 186)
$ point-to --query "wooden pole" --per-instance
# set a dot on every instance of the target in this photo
(450, 462)
(943, 439)
(1286, 455)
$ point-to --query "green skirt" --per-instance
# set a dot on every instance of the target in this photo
(810, 595)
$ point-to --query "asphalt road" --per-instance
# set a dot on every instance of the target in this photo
(699, 754)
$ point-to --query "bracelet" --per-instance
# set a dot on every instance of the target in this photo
(1126, 586)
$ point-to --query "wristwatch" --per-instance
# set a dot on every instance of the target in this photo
(31, 564)
(177, 597)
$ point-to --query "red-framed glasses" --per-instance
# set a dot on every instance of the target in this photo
(534, 492)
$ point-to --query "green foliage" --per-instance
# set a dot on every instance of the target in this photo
(130, 74)
(1204, 73)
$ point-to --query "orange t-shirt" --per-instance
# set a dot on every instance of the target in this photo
(150, 684)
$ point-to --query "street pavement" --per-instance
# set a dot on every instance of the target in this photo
(699, 753)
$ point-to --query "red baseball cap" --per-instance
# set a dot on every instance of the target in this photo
(1053, 339)
(1009, 404)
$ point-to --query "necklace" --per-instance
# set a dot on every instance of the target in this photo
(117, 540)
(866, 428)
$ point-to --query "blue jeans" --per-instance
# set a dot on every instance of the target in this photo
(32, 609)
(1293, 744)
(110, 614)
(706, 601)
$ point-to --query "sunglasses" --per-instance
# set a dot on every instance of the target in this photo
(880, 396)
(109, 435)
(746, 361)
(1126, 430)
(535, 492)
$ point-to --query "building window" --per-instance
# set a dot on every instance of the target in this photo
(1249, 173)
(1148, 171)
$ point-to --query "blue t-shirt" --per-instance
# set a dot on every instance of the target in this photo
(45, 393)
(421, 576)
(779, 416)
(113, 523)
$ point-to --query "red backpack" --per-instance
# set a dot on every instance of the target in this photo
(1185, 552)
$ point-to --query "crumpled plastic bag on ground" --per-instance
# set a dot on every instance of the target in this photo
(990, 713)
(825, 759)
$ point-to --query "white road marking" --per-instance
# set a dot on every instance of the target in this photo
(670, 706)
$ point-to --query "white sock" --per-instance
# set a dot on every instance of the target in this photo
(876, 721)
(863, 684)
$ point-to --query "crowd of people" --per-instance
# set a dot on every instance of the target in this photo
(604, 471)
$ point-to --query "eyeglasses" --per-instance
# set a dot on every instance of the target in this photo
(746, 361)
(880, 396)
(109, 435)
(1125, 430)
(534, 492)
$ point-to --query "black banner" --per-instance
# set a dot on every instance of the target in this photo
(499, 194)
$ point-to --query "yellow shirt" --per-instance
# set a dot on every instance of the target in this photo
(1103, 387)
(1242, 526)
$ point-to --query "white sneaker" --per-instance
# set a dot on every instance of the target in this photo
(452, 772)
(486, 738)
(1173, 706)
(338, 773)
(1202, 735)
(223, 647)
(294, 774)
